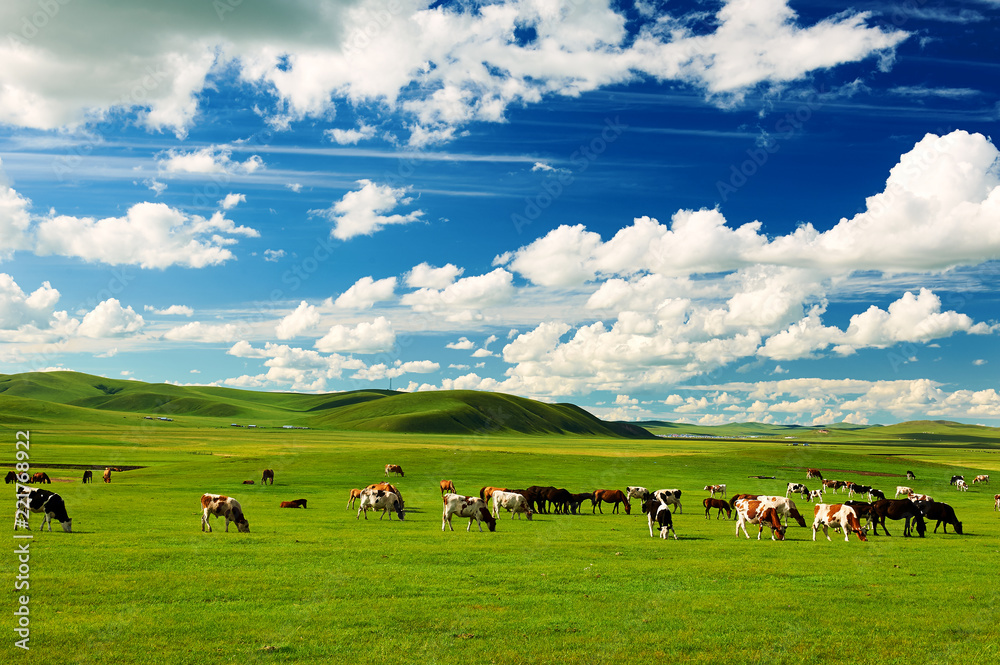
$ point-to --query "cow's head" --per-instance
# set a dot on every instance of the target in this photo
(484, 514)
(958, 528)
(68, 526)
(243, 525)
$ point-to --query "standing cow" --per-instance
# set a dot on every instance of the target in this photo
(49, 504)
(466, 506)
(380, 500)
(394, 468)
(107, 475)
(839, 515)
(224, 506)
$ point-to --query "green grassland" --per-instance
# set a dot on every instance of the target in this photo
(138, 582)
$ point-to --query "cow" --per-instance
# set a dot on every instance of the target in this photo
(955, 479)
(943, 513)
(980, 479)
(904, 490)
(834, 485)
(898, 509)
(919, 497)
(910, 475)
(710, 503)
(962, 486)
(813, 473)
(394, 468)
(815, 494)
(611, 496)
(107, 475)
(41, 477)
(838, 514)
(466, 506)
(447, 486)
(354, 496)
(298, 503)
(855, 488)
(248, 482)
(785, 508)
(637, 492)
(50, 504)
(11, 477)
(716, 488)
(512, 502)
(875, 495)
(389, 487)
(380, 500)
(658, 514)
(88, 476)
(755, 512)
(221, 505)
(670, 497)
(798, 488)
(996, 502)
(267, 476)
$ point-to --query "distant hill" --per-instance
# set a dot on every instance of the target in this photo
(50, 397)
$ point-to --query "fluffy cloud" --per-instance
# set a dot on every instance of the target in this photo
(399, 368)
(297, 369)
(110, 319)
(427, 276)
(14, 220)
(196, 331)
(208, 161)
(364, 293)
(173, 310)
(304, 318)
(360, 212)
(465, 298)
(366, 337)
(150, 235)
(350, 136)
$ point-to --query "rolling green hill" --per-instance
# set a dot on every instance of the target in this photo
(41, 397)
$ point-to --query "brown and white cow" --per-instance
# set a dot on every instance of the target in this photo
(512, 502)
(394, 468)
(447, 486)
(996, 502)
(298, 503)
(716, 488)
(904, 490)
(267, 477)
(813, 473)
(834, 485)
(755, 512)
(466, 506)
(107, 475)
(837, 514)
(355, 495)
(785, 508)
(980, 479)
(224, 506)
(380, 500)
(962, 485)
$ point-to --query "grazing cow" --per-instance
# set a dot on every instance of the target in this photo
(11, 477)
(710, 503)
(576, 500)
(996, 502)
(248, 482)
(354, 496)
(813, 473)
(838, 514)
(955, 479)
(657, 513)
(636, 492)
(267, 476)
(716, 488)
(486, 492)
(898, 509)
(394, 468)
(815, 494)
(298, 503)
(910, 476)
(380, 500)
(41, 477)
(943, 513)
(834, 485)
(611, 496)
(447, 486)
(854, 488)
(512, 502)
(875, 495)
(755, 512)
(388, 487)
(107, 475)
(798, 488)
(919, 497)
(904, 490)
(223, 506)
(785, 508)
(466, 506)
(88, 476)
(980, 479)
(671, 498)
(962, 486)
(49, 504)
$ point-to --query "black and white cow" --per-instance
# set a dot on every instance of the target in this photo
(657, 513)
(637, 492)
(955, 479)
(669, 497)
(798, 488)
(855, 488)
(49, 504)
(875, 495)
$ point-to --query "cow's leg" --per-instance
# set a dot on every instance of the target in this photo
(760, 530)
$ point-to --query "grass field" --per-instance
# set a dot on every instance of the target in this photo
(138, 582)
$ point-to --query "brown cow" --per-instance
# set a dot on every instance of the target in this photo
(266, 476)
(41, 477)
(394, 468)
(355, 495)
(294, 504)
(88, 476)
(107, 475)
(813, 473)
(448, 486)
(717, 503)
(611, 496)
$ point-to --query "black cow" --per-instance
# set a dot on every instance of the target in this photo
(910, 475)
(48, 503)
(898, 509)
(875, 494)
(955, 479)
(941, 512)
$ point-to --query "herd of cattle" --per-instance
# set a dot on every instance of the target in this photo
(769, 511)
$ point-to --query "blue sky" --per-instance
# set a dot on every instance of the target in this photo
(699, 211)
